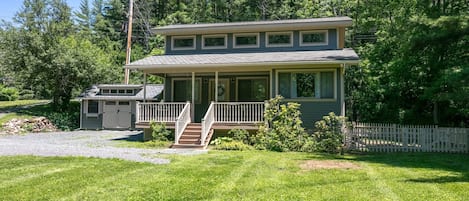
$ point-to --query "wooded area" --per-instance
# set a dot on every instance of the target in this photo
(415, 58)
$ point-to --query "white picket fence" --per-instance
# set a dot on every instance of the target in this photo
(375, 137)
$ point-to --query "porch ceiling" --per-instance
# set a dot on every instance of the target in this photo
(234, 61)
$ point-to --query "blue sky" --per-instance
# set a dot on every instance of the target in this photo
(8, 8)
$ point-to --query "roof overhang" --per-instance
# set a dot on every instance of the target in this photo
(243, 61)
(277, 25)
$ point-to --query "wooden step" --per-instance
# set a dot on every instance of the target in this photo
(190, 137)
(186, 146)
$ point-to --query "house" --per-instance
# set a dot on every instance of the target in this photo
(220, 74)
(113, 106)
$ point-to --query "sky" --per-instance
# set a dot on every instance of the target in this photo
(8, 8)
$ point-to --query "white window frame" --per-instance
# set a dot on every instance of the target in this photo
(225, 36)
(246, 46)
(326, 42)
(173, 38)
(318, 71)
(86, 109)
(267, 34)
(190, 79)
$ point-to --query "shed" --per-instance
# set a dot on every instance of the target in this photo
(113, 106)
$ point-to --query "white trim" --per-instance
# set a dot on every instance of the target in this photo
(183, 37)
(190, 79)
(337, 37)
(267, 34)
(94, 114)
(312, 99)
(250, 78)
(225, 36)
(326, 42)
(246, 46)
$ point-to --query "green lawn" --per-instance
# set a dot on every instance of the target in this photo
(250, 175)
(8, 105)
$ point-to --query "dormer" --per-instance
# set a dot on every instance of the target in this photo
(257, 36)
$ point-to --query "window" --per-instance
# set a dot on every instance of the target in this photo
(124, 103)
(105, 91)
(246, 40)
(279, 39)
(312, 38)
(183, 43)
(182, 90)
(93, 108)
(252, 89)
(214, 41)
(113, 91)
(122, 91)
(129, 91)
(306, 84)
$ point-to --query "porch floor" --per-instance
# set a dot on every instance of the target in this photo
(215, 126)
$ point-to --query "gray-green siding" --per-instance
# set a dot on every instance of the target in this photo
(332, 45)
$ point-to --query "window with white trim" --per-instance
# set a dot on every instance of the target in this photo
(307, 85)
(214, 41)
(313, 38)
(279, 39)
(92, 108)
(246, 40)
(183, 43)
(182, 90)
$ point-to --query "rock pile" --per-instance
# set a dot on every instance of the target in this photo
(37, 124)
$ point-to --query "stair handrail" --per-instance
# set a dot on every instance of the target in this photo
(182, 121)
(207, 123)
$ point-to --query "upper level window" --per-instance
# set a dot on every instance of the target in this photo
(246, 40)
(279, 39)
(312, 38)
(183, 43)
(214, 41)
(307, 84)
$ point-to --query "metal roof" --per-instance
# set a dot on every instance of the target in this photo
(152, 91)
(120, 86)
(254, 25)
(246, 59)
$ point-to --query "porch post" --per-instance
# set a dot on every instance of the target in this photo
(216, 86)
(342, 93)
(193, 95)
(144, 87)
(271, 85)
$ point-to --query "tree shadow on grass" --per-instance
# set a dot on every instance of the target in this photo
(456, 163)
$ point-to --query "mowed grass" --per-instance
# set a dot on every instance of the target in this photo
(7, 105)
(249, 175)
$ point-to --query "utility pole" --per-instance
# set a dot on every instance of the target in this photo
(129, 42)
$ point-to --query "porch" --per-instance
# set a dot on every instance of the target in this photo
(218, 116)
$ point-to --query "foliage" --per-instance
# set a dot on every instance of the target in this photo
(9, 105)
(237, 175)
(283, 130)
(65, 120)
(228, 143)
(159, 132)
(241, 135)
(152, 144)
(329, 133)
(8, 93)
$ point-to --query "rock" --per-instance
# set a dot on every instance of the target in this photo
(36, 124)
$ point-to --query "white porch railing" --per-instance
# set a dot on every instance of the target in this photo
(181, 121)
(158, 112)
(231, 112)
(207, 123)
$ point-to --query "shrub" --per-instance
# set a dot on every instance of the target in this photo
(329, 133)
(241, 135)
(283, 130)
(159, 132)
(227, 143)
(26, 94)
(8, 93)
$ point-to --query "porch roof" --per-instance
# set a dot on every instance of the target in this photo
(347, 56)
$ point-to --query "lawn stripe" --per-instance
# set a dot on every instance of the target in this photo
(380, 183)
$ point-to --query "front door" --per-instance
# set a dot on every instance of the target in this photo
(223, 90)
(117, 114)
(253, 89)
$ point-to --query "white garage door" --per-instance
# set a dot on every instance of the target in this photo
(117, 114)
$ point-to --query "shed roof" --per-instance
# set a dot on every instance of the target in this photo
(245, 59)
(275, 25)
(152, 91)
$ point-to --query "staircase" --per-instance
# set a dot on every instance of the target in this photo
(190, 138)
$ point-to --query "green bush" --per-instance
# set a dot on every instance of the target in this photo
(8, 93)
(26, 94)
(283, 130)
(159, 132)
(241, 135)
(64, 120)
(227, 143)
(329, 134)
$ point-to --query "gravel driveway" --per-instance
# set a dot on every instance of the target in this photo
(101, 144)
